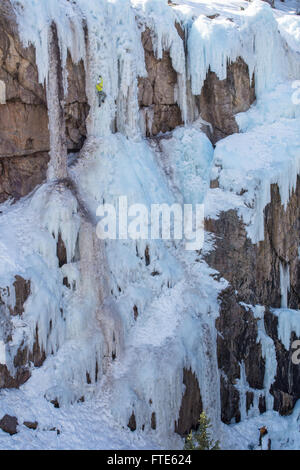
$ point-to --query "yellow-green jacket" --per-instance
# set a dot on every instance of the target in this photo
(99, 85)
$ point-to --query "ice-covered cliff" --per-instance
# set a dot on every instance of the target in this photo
(125, 340)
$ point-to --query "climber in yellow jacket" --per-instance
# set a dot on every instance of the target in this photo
(100, 92)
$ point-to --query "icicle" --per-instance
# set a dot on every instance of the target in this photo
(55, 99)
(284, 284)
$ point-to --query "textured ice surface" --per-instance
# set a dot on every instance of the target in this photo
(136, 364)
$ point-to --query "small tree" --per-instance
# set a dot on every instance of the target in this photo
(201, 439)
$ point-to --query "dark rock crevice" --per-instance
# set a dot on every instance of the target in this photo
(254, 270)
(236, 345)
(191, 404)
(20, 175)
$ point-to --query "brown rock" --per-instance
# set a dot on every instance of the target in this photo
(220, 100)
(132, 422)
(135, 312)
(24, 126)
(284, 402)
(31, 425)
(24, 135)
(22, 288)
(191, 404)
(180, 30)
(61, 251)
(9, 424)
(237, 344)
(254, 270)
(55, 403)
(157, 91)
(7, 381)
(76, 106)
(166, 118)
(24, 129)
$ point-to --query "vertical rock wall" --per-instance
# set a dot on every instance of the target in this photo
(253, 271)
(24, 116)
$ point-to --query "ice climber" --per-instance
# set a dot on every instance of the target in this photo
(100, 92)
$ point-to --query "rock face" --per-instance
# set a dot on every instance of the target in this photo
(8, 309)
(19, 175)
(7, 381)
(236, 345)
(22, 289)
(221, 100)
(31, 424)
(191, 405)
(254, 270)
(24, 126)
(24, 158)
(76, 106)
(12, 301)
(23, 117)
(254, 274)
(157, 91)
